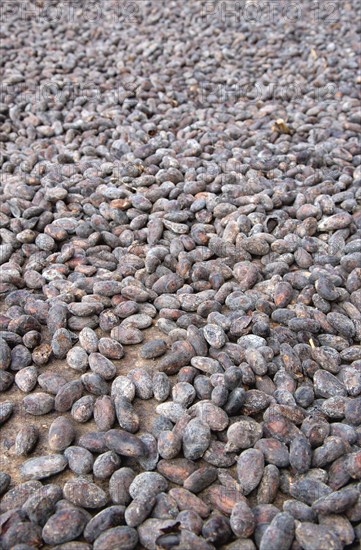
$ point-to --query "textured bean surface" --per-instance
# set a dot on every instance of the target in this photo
(180, 275)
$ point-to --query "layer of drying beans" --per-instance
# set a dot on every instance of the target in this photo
(180, 279)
